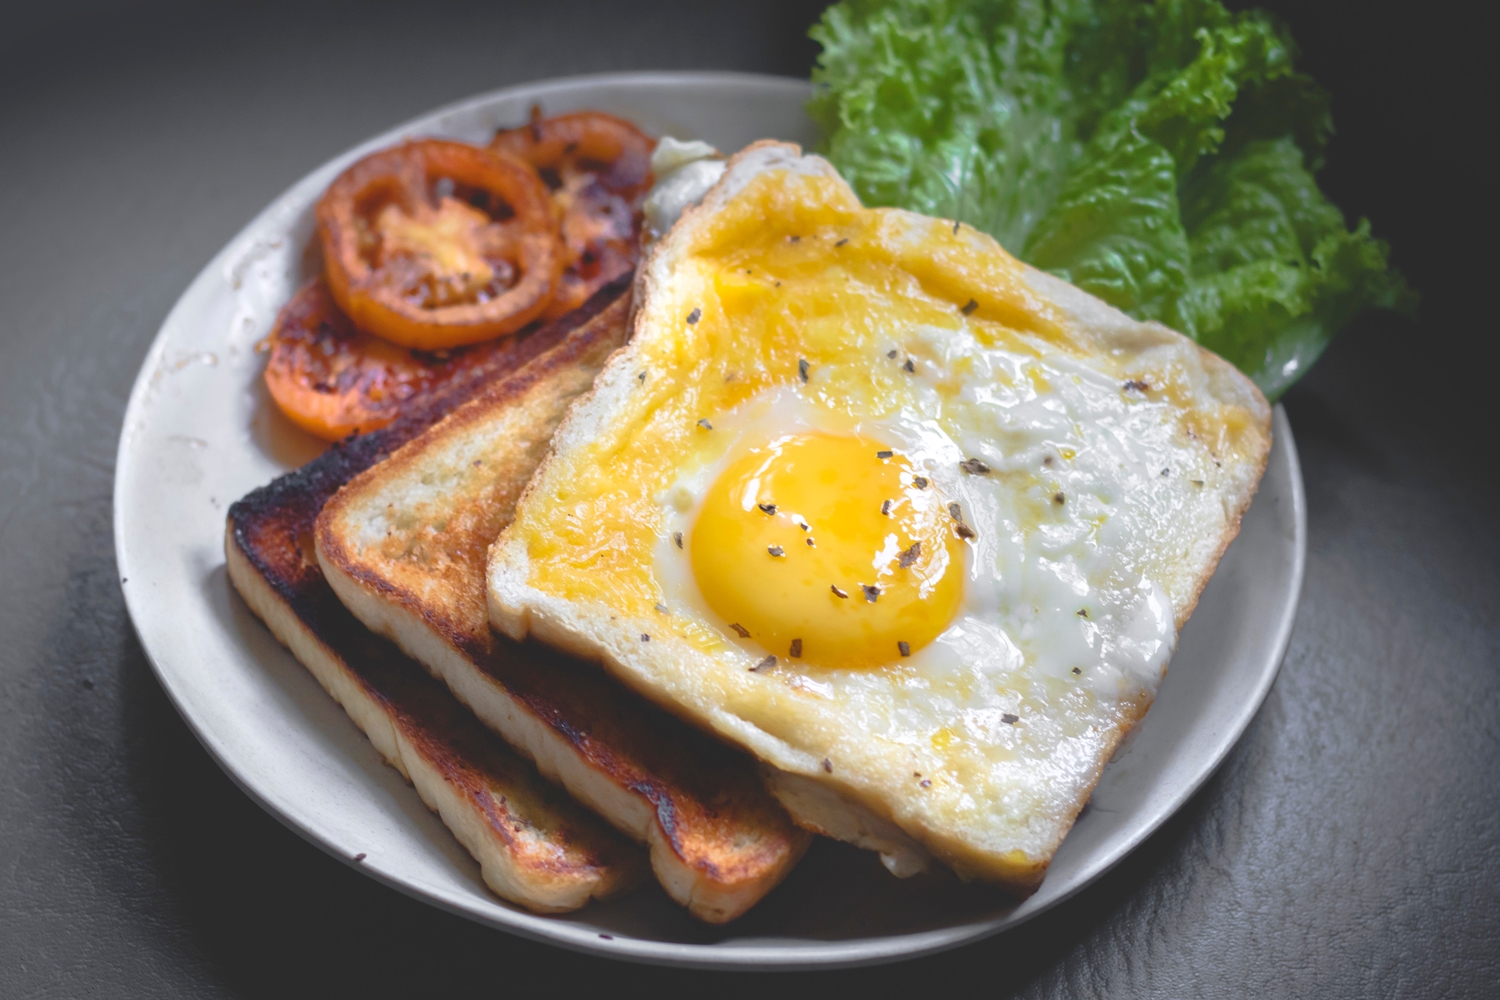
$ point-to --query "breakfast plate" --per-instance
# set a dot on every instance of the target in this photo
(200, 432)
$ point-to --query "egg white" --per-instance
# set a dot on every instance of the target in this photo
(1019, 619)
(1028, 684)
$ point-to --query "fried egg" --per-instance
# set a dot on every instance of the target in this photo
(912, 522)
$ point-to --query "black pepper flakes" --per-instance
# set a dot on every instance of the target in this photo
(842, 242)
(802, 367)
(769, 661)
(827, 765)
(910, 367)
(811, 542)
(920, 482)
(607, 937)
(1077, 670)
(795, 239)
(955, 228)
(677, 538)
(1166, 472)
(1059, 498)
(969, 307)
(884, 454)
(767, 508)
(926, 782)
(872, 591)
(804, 525)
(1083, 612)
(694, 316)
(963, 531)
(645, 637)
(795, 650)
(908, 558)
(1137, 385)
(1010, 720)
(642, 378)
(885, 507)
(903, 647)
(741, 630)
(891, 354)
(838, 591)
(776, 550)
(1197, 482)
(956, 512)
(703, 422)
(477, 463)
(360, 857)
(974, 467)
(662, 608)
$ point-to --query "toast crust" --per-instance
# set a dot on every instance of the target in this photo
(519, 610)
(535, 847)
(404, 546)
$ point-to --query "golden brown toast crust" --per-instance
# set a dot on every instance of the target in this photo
(719, 841)
(437, 569)
(535, 846)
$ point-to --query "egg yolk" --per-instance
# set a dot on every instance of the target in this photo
(831, 549)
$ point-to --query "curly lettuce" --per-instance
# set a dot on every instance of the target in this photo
(1161, 156)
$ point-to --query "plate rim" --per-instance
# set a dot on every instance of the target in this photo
(737, 956)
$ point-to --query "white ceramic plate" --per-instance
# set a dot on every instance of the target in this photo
(199, 433)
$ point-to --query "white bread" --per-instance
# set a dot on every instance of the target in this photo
(996, 804)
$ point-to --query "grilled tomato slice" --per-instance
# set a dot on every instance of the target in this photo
(332, 380)
(598, 168)
(435, 244)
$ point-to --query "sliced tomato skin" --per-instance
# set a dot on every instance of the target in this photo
(599, 167)
(618, 153)
(332, 380)
(348, 354)
(403, 177)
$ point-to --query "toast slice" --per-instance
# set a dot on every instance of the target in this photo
(404, 546)
(927, 520)
(535, 846)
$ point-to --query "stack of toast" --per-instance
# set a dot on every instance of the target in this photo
(1081, 472)
(369, 564)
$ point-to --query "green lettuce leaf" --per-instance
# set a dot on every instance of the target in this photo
(1115, 230)
(1161, 156)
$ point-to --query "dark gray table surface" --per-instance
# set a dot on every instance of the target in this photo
(1348, 847)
